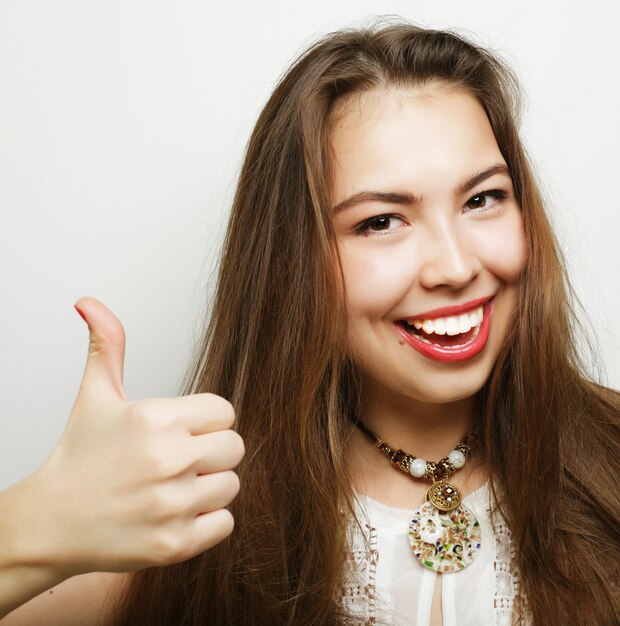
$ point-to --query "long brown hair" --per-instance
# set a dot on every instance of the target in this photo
(274, 348)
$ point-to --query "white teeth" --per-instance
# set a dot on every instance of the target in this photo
(428, 326)
(440, 326)
(452, 325)
(464, 323)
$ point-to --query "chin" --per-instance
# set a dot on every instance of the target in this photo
(443, 387)
(446, 395)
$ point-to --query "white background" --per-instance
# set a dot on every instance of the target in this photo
(122, 126)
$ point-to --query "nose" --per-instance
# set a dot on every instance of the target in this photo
(449, 260)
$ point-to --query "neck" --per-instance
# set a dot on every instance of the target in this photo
(428, 431)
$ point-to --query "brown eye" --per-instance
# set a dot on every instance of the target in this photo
(382, 222)
(477, 202)
(486, 200)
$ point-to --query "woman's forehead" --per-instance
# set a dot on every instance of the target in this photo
(393, 137)
(365, 103)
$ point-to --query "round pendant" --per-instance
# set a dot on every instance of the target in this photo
(444, 541)
(444, 495)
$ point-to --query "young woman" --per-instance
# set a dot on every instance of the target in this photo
(393, 328)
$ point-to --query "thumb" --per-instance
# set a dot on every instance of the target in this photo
(103, 373)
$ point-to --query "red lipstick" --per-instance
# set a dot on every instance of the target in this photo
(455, 309)
(456, 353)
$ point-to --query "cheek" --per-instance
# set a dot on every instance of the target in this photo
(373, 282)
(504, 251)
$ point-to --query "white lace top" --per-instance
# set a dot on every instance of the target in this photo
(388, 585)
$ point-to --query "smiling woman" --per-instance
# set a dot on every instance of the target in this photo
(389, 274)
(400, 222)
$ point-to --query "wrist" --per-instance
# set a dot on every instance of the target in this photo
(27, 566)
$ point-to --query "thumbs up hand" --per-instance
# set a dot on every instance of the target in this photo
(134, 484)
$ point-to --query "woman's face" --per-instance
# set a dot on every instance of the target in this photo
(430, 237)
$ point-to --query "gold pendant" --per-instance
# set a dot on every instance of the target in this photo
(444, 495)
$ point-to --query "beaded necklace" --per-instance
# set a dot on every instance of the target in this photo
(444, 534)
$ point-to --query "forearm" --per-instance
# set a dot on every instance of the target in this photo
(25, 568)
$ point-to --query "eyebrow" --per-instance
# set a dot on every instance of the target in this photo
(476, 179)
(409, 199)
(377, 196)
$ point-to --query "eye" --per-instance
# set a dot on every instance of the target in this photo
(379, 224)
(486, 199)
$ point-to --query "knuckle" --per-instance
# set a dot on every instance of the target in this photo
(223, 409)
(169, 504)
(232, 483)
(153, 414)
(168, 465)
(215, 528)
(238, 444)
(156, 461)
(228, 439)
(228, 412)
(225, 489)
(169, 547)
(227, 522)
(143, 415)
(221, 524)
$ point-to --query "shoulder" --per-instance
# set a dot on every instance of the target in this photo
(85, 600)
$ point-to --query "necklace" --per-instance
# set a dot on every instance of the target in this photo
(444, 534)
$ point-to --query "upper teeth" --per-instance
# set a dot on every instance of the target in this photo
(452, 325)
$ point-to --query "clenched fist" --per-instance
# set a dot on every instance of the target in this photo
(134, 484)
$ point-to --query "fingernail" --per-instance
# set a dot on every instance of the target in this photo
(80, 312)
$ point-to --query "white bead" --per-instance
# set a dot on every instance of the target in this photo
(417, 468)
(457, 458)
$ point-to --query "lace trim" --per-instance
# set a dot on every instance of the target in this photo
(506, 585)
(359, 594)
(506, 580)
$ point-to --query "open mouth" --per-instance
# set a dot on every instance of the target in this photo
(446, 332)
(450, 338)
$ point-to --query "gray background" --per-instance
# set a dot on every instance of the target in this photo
(122, 126)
